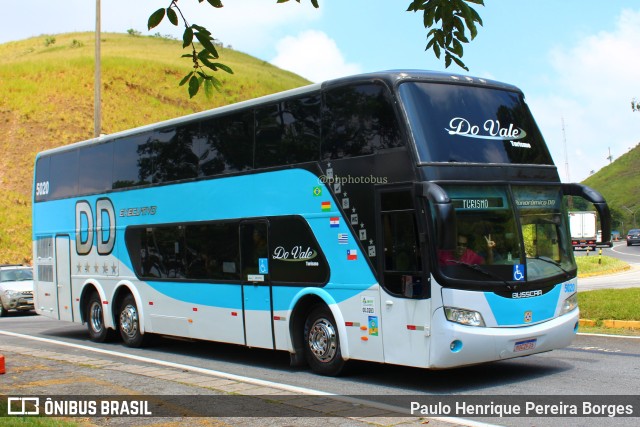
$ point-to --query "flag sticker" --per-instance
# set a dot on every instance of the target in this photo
(352, 255)
(343, 238)
(326, 206)
(334, 222)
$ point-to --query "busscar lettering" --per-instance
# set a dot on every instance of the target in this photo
(526, 294)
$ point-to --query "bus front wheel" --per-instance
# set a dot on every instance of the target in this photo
(322, 343)
(129, 323)
(98, 332)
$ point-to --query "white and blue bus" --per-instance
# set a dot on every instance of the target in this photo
(412, 218)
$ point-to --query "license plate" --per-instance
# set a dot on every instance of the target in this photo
(525, 345)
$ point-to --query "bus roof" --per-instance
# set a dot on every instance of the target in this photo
(390, 78)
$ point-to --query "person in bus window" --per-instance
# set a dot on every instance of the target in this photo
(464, 254)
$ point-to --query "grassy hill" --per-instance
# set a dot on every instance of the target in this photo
(46, 84)
(619, 183)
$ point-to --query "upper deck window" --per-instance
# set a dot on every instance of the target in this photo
(358, 120)
(469, 124)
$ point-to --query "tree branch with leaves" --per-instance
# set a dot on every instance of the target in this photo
(454, 18)
(448, 22)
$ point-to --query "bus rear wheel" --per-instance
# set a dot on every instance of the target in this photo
(129, 323)
(98, 332)
(322, 343)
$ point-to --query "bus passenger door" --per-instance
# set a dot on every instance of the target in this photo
(405, 287)
(257, 304)
(63, 278)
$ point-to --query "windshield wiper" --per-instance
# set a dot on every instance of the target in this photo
(477, 268)
(550, 261)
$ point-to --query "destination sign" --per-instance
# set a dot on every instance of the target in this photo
(478, 203)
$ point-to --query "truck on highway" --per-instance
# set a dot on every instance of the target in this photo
(583, 226)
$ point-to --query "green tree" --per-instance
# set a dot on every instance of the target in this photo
(635, 105)
(447, 22)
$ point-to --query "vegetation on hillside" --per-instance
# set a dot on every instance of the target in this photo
(47, 101)
(619, 182)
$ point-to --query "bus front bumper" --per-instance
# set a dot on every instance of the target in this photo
(458, 345)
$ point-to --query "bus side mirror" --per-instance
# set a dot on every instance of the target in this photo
(599, 203)
(444, 213)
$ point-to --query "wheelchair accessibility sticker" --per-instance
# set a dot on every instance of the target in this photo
(518, 272)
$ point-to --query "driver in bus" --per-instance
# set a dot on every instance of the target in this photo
(464, 254)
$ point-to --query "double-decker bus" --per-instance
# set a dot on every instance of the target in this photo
(411, 218)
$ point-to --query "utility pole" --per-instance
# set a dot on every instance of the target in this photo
(610, 158)
(97, 99)
(566, 156)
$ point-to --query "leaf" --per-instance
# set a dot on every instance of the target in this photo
(204, 76)
(194, 86)
(185, 79)
(223, 67)
(315, 4)
(461, 37)
(206, 43)
(436, 50)
(215, 3)
(457, 48)
(187, 37)
(208, 89)
(205, 61)
(460, 63)
(155, 18)
(201, 29)
(173, 16)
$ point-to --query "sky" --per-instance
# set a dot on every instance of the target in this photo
(577, 61)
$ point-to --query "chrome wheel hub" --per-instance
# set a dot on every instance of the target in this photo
(323, 340)
(129, 321)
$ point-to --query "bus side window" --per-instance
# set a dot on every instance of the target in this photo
(288, 132)
(358, 120)
(212, 251)
(253, 247)
(402, 262)
(225, 144)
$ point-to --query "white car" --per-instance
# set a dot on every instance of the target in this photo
(16, 288)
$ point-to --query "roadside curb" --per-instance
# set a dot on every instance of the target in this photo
(616, 324)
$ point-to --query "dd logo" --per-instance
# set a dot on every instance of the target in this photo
(103, 229)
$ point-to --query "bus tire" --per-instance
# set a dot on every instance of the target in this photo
(322, 342)
(98, 332)
(129, 323)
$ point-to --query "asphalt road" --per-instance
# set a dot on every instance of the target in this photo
(625, 279)
(593, 366)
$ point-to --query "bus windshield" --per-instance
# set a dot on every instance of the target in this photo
(454, 123)
(507, 234)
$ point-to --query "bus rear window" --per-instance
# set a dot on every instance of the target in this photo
(454, 123)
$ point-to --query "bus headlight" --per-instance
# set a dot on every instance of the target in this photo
(569, 304)
(463, 316)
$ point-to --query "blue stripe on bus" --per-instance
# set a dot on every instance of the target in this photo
(285, 192)
(511, 311)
